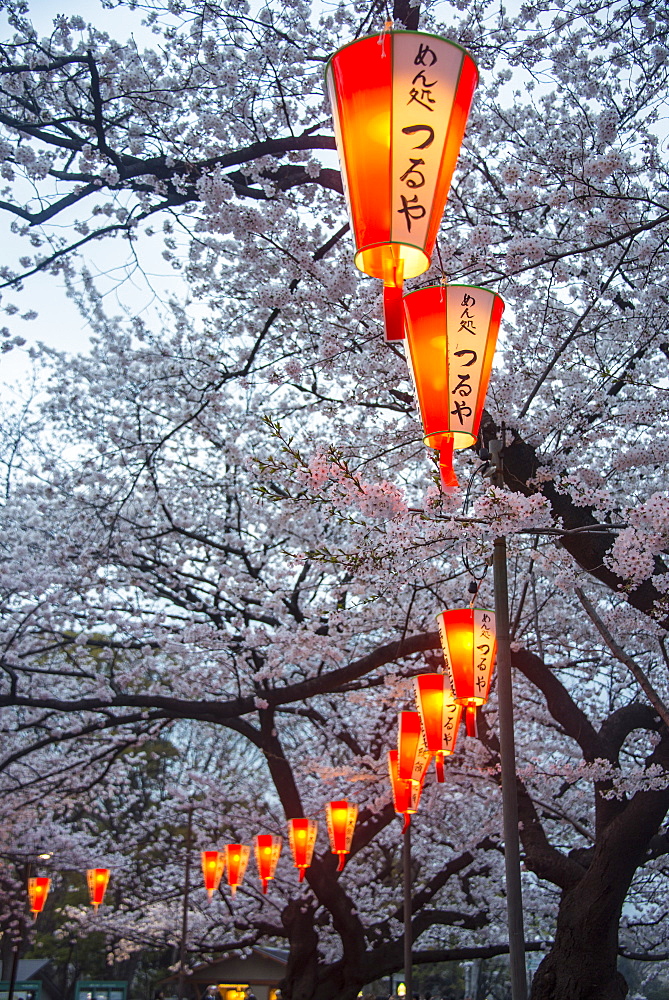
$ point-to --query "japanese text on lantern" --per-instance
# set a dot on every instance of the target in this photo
(421, 92)
(483, 654)
(466, 358)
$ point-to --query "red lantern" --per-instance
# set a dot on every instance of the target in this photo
(469, 645)
(38, 890)
(97, 879)
(236, 860)
(440, 716)
(341, 824)
(451, 334)
(414, 757)
(268, 849)
(406, 794)
(400, 102)
(302, 837)
(213, 866)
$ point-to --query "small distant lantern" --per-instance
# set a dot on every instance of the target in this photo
(341, 817)
(414, 757)
(213, 866)
(400, 102)
(98, 879)
(302, 838)
(236, 860)
(451, 336)
(469, 645)
(440, 716)
(38, 890)
(406, 794)
(268, 849)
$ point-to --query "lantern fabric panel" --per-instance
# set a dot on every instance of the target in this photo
(236, 860)
(213, 866)
(406, 794)
(302, 838)
(38, 890)
(267, 851)
(440, 716)
(414, 757)
(341, 817)
(98, 879)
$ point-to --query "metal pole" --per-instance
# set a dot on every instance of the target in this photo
(507, 752)
(408, 942)
(184, 918)
(14, 970)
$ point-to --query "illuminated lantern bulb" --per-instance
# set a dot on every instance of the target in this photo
(451, 339)
(98, 879)
(213, 866)
(406, 794)
(341, 816)
(268, 849)
(400, 103)
(236, 860)
(440, 716)
(469, 645)
(38, 890)
(413, 755)
(302, 838)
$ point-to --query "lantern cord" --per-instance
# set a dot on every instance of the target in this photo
(407, 821)
(342, 862)
(264, 887)
(449, 480)
(444, 279)
(393, 311)
(472, 721)
(302, 873)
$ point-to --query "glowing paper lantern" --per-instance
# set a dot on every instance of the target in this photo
(213, 866)
(413, 755)
(97, 879)
(302, 838)
(236, 860)
(400, 102)
(38, 890)
(469, 645)
(451, 335)
(406, 794)
(341, 817)
(440, 716)
(268, 849)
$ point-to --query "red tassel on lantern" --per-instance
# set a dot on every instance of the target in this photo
(302, 837)
(97, 879)
(469, 645)
(400, 103)
(268, 849)
(341, 816)
(451, 338)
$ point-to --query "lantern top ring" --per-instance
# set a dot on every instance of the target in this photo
(452, 284)
(422, 34)
(463, 610)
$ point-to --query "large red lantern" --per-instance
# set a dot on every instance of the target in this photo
(268, 849)
(38, 890)
(469, 645)
(451, 334)
(98, 879)
(413, 755)
(236, 860)
(213, 866)
(400, 102)
(341, 824)
(302, 837)
(440, 716)
(406, 794)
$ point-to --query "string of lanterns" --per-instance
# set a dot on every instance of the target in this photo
(38, 889)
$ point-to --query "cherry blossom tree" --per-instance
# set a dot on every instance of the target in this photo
(222, 517)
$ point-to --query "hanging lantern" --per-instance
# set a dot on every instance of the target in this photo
(38, 890)
(341, 824)
(469, 645)
(302, 837)
(97, 879)
(400, 102)
(440, 716)
(451, 334)
(406, 794)
(236, 860)
(268, 849)
(213, 866)
(414, 757)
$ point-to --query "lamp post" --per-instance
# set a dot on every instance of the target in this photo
(408, 936)
(184, 916)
